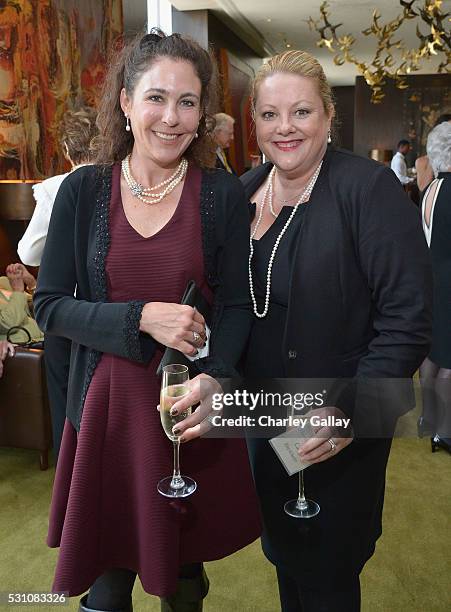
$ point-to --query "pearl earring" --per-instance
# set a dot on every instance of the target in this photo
(329, 137)
(127, 125)
(196, 135)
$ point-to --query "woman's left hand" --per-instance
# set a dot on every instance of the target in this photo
(18, 269)
(330, 440)
(6, 348)
(202, 387)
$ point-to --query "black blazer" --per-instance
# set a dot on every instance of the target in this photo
(221, 166)
(74, 259)
(361, 282)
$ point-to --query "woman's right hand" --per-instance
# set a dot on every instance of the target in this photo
(174, 325)
(15, 278)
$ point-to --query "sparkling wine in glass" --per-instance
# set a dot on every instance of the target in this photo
(173, 388)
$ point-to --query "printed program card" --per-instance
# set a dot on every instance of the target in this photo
(287, 445)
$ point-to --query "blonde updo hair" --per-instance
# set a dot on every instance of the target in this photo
(77, 132)
(300, 63)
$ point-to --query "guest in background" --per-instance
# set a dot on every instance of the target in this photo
(223, 137)
(14, 305)
(129, 233)
(6, 348)
(398, 162)
(425, 173)
(78, 130)
(435, 373)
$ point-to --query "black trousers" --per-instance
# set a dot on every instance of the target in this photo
(57, 358)
(293, 598)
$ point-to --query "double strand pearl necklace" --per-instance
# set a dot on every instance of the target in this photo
(268, 195)
(150, 195)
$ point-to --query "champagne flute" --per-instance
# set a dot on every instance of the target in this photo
(173, 388)
(301, 507)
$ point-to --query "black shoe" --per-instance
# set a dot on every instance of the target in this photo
(438, 442)
(424, 427)
(84, 608)
(189, 595)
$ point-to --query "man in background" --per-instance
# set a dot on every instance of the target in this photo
(223, 137)
(398, 162)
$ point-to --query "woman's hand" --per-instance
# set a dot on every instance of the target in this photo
(6, 348)
(330, 440)
(174, 325)
(18, 270)
(202, 388)
(15, 277)
(28, 278)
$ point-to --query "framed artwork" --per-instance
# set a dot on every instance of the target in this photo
(53, 55)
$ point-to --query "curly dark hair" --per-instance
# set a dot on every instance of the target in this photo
(126, 67)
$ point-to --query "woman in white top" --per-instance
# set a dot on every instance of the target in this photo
(78, 130)
(435, 373)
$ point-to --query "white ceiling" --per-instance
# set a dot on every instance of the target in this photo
(249, 18)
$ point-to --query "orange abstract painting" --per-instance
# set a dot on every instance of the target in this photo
(53, 55)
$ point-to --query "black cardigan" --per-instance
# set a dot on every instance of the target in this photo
(74, 261)
(361, 283)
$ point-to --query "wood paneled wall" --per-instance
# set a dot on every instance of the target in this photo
(344, 113)
(404, 113)
(237, 65)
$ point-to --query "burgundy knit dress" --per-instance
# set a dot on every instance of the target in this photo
(106, 511)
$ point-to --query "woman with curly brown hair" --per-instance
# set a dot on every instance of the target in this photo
(129, 233)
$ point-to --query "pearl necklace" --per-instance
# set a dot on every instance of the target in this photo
(149, 195)
(268, 194)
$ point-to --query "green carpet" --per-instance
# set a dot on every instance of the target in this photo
(410, 571)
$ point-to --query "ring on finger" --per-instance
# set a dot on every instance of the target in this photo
(333, 446)
(196, 337)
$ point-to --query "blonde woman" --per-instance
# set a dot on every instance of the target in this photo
(340, 282)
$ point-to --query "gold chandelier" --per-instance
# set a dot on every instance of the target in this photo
(384, 65)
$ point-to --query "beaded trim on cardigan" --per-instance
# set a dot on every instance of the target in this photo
(103, 195)
(131, 330)
(207, 218)
(208, 226)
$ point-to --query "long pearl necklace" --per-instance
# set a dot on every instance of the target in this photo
(150, 195)
(268, 195)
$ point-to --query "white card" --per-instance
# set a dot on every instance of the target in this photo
(205, 350)
(287, 445)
